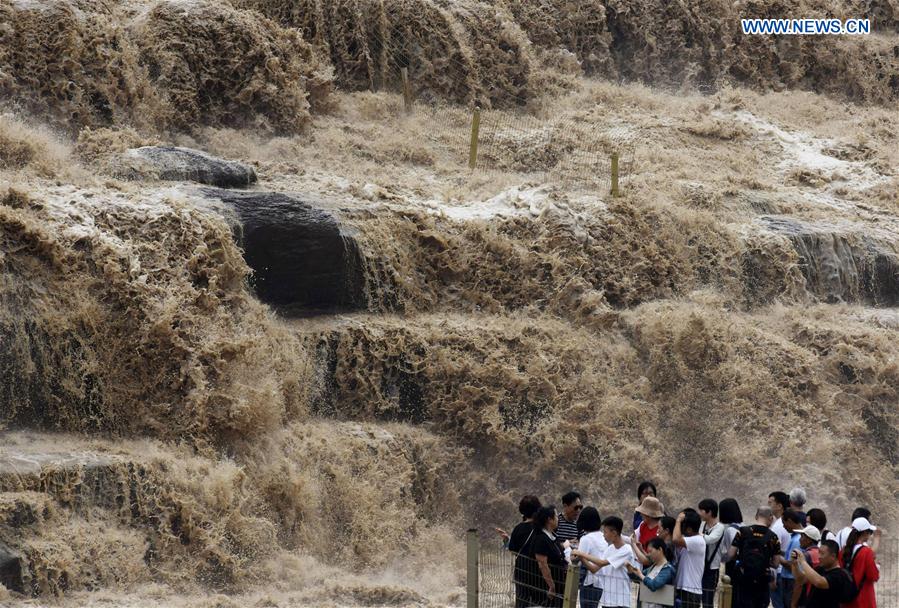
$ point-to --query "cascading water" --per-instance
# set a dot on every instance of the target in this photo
(302, 392)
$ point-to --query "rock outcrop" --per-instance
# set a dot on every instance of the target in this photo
(304, 261)
(185, 165)
(842, 263)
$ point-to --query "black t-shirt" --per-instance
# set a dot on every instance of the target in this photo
(830, 597)
(757, 533)
(520, 534)
(541, 544)
(756, 547)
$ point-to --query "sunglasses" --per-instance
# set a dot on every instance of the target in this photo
(578, 507)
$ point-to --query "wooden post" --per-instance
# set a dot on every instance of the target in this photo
(475, 128)
(615, 191)
(407, 90)
(571, 586)
(472, 574)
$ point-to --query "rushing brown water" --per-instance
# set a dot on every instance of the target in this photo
(726, 328)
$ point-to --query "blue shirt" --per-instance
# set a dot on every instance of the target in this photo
(664, 577)
(793, 544)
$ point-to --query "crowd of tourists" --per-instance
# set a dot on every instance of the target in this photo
(785, 556)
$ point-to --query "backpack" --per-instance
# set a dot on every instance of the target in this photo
(850, 590)
(755, 555)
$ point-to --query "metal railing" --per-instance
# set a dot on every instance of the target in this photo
(498, 578)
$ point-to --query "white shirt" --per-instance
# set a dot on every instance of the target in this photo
(616, 586)
(782, 535)
(595, 544)
(711, 537)
(690, 565)
(843, 536)
(730, 533)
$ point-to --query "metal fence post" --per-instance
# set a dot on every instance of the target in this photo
(472, 574)
(615, 191)
(571, 581)
(475, 128)
(407, 90)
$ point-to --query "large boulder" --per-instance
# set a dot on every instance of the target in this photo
(304, 261)
(185, 165)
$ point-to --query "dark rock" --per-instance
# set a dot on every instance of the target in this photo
(11, 571)
(184, 164)
(303, 260)
(842, 263)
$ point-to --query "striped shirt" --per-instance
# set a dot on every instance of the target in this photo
(567, 530)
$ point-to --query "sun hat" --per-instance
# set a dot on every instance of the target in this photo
(651, 507)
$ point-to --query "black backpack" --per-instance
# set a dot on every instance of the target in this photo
(850, 590)
(755, 555)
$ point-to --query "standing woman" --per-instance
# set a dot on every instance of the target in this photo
(658, 573)
(515, 542)
(594, 543)
(519, 543)
(858, 558)
(666, 533)
(652, 512)
(730, 515)
(549, 558)
(647, 488)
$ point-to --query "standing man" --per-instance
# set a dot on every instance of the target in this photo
(755, 549)
(568, 528)
(779, 502)
(712, 531)
(571, 509)
(809, 538)
(798, 499)
(791, 522)
(828, 581)
(611, 566)
(690, 547)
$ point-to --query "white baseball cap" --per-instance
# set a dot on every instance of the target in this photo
(812, 532)
(862, 525)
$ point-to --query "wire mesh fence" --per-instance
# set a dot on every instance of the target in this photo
(460, 119)
(548, 149)
(504, 579)
(516, 580)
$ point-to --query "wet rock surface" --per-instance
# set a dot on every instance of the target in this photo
(11, 569)
(183, 164)
(304, 261)
(842, 263)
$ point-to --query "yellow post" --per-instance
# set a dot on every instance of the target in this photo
(475, 128)
(472, 544)
(615, 191)
(407, 90)
(571, 581)
(727, 596)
